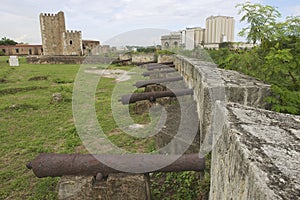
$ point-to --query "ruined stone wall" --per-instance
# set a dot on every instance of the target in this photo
(72, 43)
(255, 153)
(52, 29)
(144, 58)
(164, 58)
(55, 59)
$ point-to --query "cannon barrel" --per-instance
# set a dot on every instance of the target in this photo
(140, 84)
(54, 165)
(167, 63)
(160, 72)
(160, 67)
(152, 96)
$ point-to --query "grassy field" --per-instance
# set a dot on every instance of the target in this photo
(30, 123)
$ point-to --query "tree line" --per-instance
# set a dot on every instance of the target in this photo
(7, 41)
(276, 57)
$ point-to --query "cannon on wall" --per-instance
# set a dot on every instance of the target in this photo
(54, 165)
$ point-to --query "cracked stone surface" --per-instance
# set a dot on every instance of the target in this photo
(257, 156)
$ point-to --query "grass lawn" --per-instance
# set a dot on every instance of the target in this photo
(31, 124)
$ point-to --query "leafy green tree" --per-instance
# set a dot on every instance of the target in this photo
(261, 20)
(276, 60)
(7, 41)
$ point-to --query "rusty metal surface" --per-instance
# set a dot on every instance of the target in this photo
(160, 67)
(168, 70)
(152, 96)
(53, 165)
(140, 84)
(167, 63)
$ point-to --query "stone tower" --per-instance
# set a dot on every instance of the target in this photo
(56, 39)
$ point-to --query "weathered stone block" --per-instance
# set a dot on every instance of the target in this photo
(257, 156)
(144, 58)
(115, 187)
(164, 58)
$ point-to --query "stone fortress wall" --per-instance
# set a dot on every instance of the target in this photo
(56, 39)
(255, 152)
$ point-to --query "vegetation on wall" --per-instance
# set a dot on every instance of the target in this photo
(275, 60)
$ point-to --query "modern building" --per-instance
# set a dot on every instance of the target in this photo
(218, 29)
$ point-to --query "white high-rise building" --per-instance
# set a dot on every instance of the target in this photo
(190, 39)
(219, 29)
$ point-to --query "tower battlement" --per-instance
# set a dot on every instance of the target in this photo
(56, 39)
(74, 32)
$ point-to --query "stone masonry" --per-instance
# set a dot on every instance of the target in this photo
(56, 39)
(255, 152)
(257, 156)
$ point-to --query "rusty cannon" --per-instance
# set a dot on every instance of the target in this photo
(171, 70)
(152, 96)
(54, 165)
(150, 68)
(140, 84)
(167, 63)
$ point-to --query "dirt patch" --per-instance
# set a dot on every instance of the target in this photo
(119, 75)
(2, 80)
(38, 78)
(17, 90)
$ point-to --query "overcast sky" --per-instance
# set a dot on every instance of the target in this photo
(104, 19)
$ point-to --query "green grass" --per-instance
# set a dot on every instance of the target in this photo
(31, 124)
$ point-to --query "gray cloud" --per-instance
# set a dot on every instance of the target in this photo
(99, 19)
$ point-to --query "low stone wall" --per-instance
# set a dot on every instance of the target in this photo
(55, 59)
(255, 153)
(211, 84)
(143, 58)
(164, 58)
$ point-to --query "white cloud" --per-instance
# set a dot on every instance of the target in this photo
(101, 19)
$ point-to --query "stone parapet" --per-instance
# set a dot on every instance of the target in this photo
(257, 155)
(211, 84)
(255, 152)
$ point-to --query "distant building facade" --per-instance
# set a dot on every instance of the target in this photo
(56, 39)
(218, 29)
(174, 40)
(21, 50)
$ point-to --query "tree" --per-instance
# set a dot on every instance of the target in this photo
(7, 41)
(261, 21)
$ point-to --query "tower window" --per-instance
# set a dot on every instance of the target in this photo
(71, 42)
